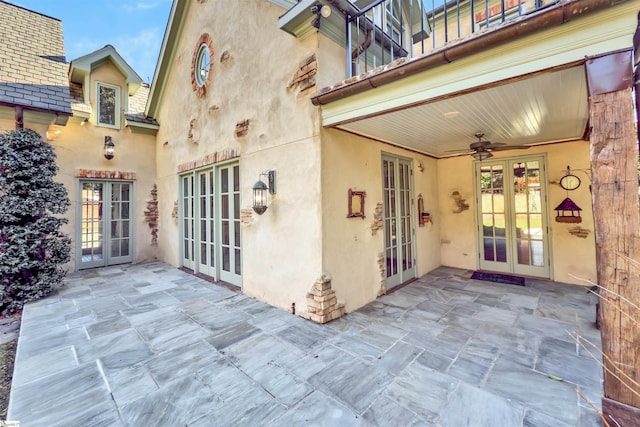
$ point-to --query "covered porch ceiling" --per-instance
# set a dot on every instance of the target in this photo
(544, 107)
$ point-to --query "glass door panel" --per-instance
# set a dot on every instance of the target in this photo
(187, 221)
(105, 229)
(512, 213)
(398, 222)
(230, 268)
(206, 220)
(91, 224)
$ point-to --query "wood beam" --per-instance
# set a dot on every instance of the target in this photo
(614, 162)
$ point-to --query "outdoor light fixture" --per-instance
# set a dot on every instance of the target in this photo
(320, 12)
(260, 190)
(481, 155)
(109, 148)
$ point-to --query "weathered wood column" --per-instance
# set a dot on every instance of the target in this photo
(614, 163)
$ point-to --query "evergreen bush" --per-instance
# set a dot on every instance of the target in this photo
(33, 249)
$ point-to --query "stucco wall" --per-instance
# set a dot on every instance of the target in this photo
(571, 255)
(252, 67)
(351, 250)
(82, 147)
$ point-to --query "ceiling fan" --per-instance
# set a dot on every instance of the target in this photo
(481, 149)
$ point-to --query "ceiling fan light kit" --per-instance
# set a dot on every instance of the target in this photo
(482, 148)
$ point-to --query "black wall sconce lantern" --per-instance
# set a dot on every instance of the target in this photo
(109, 148)
(260, 190)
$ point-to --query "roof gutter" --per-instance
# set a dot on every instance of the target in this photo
(546, 18)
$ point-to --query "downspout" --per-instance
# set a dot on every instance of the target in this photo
(551, 17)
(19, 118)
(359, 50)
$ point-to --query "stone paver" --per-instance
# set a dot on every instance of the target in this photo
(148, 344)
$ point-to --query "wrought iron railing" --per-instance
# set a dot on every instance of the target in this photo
(385, 30)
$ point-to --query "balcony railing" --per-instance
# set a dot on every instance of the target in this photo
(386, 30)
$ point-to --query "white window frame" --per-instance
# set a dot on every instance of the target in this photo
(116, 124)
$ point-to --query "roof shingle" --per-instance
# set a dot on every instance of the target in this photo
(33, 69)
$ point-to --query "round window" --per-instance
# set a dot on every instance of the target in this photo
(201, 65)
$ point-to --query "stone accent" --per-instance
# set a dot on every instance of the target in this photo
(382, 268)
(174, 212)
(242, 128)
(193, 135)
(246, 214)
(579, 232)
(377, 223)
(87, 173)
(305, 77)
(225, 56)
(151, 214)
(209, 159)
(322, 302)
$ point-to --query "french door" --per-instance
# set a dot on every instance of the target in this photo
(512, 216)
(399, 229)
(105, 230)
(210, 223)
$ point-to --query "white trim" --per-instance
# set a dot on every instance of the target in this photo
(117, 107)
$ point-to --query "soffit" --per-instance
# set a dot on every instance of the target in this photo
(546, 107)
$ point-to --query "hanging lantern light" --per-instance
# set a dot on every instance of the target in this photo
(260, 197)
(109, 148)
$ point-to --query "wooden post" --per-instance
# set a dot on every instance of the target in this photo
(614, 162)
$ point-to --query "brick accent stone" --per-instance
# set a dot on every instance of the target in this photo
(305, 77)
(377, 223)
(174, 212)
(242, 128)
(209, 159)
(322, 302)
(151, 214)
(88, 173)
(246, 214)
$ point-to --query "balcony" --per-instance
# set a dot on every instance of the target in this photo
(386, 30)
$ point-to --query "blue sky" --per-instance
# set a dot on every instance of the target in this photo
(135, 27)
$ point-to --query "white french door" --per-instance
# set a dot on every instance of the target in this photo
(512, 216)
(105, 229)
(399, 229)
(210, 223)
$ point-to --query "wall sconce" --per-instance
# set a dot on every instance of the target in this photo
(260, 192)
(109, 148)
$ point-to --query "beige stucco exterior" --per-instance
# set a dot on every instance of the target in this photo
(255, 114)
(572, 257)
(305, 231)
(80, 146)
(251, 72)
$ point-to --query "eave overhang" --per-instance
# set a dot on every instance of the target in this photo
(167, 53)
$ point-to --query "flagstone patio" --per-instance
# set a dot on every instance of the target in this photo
(148, 344)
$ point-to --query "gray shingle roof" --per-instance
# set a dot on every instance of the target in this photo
(33, 69)
(137, 103)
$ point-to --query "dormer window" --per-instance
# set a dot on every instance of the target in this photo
(108, 105)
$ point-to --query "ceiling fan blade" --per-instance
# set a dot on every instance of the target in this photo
(495, 144)
(464, 150)
(509, 147)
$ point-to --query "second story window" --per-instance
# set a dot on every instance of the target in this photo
(108, 102)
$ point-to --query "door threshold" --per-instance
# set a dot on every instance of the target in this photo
(400, 286)
(221, 283)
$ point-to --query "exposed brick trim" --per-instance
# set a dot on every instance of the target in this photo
(88, 173)
(209, 159)
(151, 214)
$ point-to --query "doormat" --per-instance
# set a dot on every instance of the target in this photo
(498, 278)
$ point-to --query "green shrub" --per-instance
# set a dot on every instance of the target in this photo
(32, 246)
